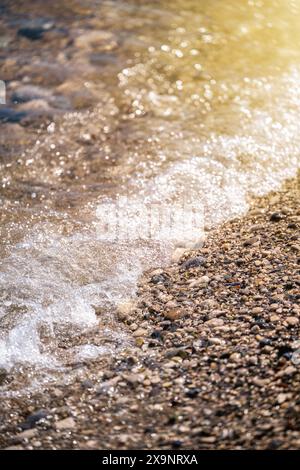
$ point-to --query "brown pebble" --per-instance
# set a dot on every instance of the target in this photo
(292, 321)
(67, 423)
(281, 398)
(295, 248)
(290, 370)
(139, 332)
(257, 310)
(208, 439)
(274, 318)
(215, 322)
(251, 241)
(28, 434)
(235, 357)
(173, 314)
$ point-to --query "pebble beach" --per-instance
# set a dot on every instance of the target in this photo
(149, 225)
(214, 359)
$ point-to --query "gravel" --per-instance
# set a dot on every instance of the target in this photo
(214, 362)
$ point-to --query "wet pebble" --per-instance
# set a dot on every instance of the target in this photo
(193, 262)
(276, 217)
(36, 106)
(26, 93)
(159, 279)
(174, 314)
(33, 419)
(11, 115)
(251, 241)
(99, 40)
(35, 30)
(31, 97)
(87, 384)
(192, 392)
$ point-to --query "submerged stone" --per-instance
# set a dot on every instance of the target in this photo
(34, 30)
(26, 93)
(10, 115)
(32, 33)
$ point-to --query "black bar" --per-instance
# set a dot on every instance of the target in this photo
(139, 458)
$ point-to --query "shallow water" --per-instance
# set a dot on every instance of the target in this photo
(138, 140)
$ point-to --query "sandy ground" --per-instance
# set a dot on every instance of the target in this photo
(216, 364)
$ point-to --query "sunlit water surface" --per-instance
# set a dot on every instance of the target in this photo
(195, 105)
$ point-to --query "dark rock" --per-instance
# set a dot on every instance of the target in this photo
(170, 326)
(251, 241)
(225, 355)
(149, 430)
(10, 115)
(126, 364)
(288, 355)
(261, 323)
(34, 30)
(172, 420)
(235, 284)
(289, 286)
(159, 279)
(156, 334)
(155, 391)
(276, 217)
(87, 384)
(285, 351)
(275, 444)
(193, 262)
(33, 419)
(265, 342)
(32, 33)
(192, 392)
(240, 262)
(176, 444)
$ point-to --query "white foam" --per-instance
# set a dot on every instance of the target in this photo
(89, 352)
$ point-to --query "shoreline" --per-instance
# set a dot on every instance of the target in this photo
(215, 364)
